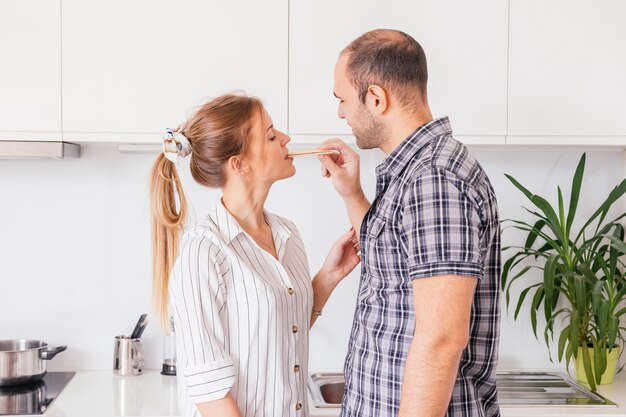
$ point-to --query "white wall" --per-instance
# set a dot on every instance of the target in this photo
(75, 248)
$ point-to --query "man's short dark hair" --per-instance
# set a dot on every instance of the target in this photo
(390, 59)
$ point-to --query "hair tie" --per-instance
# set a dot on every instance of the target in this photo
(175, 145)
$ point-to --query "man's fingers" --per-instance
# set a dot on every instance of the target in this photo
(334, 143)
(328, 164)
(325, 172)
(337, 145)
(348, 236)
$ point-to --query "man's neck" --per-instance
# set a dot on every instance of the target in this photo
(403, 126)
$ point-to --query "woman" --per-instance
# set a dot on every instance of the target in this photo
(240, 289)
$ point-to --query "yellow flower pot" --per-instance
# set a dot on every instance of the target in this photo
(609, 373)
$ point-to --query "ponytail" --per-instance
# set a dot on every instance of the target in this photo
(216, 132)
(168, 218)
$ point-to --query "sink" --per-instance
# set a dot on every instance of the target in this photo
(521, 389)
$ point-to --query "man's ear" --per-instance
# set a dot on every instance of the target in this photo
(377, 99)
(237, 165)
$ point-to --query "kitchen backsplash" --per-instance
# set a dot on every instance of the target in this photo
(75, 245)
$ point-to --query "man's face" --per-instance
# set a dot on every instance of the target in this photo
(365, 128)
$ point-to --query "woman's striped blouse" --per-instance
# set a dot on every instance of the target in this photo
(242, 317)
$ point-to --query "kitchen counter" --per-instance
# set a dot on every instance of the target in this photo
(101, 394)
(615, 392)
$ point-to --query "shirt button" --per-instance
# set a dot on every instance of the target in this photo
(299, 406)
(296, 368)
(294, 328)
(290, 291)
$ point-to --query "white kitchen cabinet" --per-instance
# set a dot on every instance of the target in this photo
(465, 45)
(132, 68)
(30, 73)
(567, 74)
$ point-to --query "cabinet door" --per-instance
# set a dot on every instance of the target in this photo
(30, 73)
(568, 71)
(465, 45)
(132, 68)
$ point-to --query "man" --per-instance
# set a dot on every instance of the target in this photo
(425, 336)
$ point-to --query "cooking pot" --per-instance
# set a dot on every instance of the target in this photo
(24, 361)
(28, 399)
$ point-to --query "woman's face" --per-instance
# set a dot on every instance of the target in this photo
(267, 151)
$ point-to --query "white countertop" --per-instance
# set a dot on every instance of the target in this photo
(101, 394)
(615, 392)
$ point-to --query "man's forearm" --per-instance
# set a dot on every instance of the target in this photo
(429, 376)
(357, 206)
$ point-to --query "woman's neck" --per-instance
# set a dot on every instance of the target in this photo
(246, 205)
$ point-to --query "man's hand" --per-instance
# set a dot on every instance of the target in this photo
(343, 169)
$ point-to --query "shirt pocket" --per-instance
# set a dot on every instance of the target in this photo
(382, 248)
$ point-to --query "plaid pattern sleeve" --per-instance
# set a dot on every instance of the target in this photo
(441, 227)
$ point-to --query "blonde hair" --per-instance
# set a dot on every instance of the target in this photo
(216, 132)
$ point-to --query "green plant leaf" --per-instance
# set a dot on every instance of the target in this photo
(613, 331)
(549, 273)
(519, 186)
(518, 275)
(568, 356)
(562, 341)
(545, 248)
(573, 332)
(581, 299)
(597, 360)
(618, 244)
(613, 196)
(532, 235)
(550, 242)
(621, 294)
(552, 219)
(521, 299)
(546, 337)
(587, 366)
(618, 233)
(506, 268)
(596, 295)
(533, 309)
(562, 221)
(534, 213)
(576, 185)
(602, 352)
(603, 318)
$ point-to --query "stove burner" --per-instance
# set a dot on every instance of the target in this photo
(34, 398)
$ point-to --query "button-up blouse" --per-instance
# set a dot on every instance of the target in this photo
(242, 317)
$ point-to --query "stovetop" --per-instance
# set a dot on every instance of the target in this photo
(35, 398)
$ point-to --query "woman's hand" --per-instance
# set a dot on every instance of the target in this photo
(342, 258)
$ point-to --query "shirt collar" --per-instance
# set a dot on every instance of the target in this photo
(280, 231)
(229, 229)
(400, 157)
(226, 224)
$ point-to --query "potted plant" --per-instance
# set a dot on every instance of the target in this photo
(583, 283)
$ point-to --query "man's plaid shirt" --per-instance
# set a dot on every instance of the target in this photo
(435, 213)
